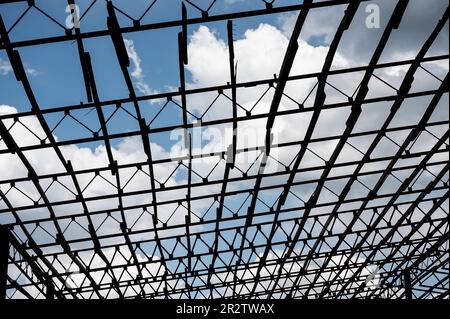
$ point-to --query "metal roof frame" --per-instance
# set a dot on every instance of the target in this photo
(414, 265)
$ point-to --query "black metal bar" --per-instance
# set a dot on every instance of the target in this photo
(257, 233)
(209, 196)
(32, 175)
(233, 70)
(286, 66)
(50, 290)
(407, 281)
(4, 256)
(178, 23)
(170, 95)
(405, 87)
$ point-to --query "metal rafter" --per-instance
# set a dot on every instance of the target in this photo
(299, 245)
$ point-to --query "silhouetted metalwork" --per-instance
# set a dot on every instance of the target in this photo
(389, 243)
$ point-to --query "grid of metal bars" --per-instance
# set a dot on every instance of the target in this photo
(390, 244)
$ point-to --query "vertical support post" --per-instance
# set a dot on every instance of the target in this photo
(233, 71)
(50, 291)
(407, 284)
(4, 253)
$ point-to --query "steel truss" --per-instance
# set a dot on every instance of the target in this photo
(298, 245)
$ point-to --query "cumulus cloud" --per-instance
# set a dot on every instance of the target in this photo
(259, 54)
(45, 161)
(28, 132)
(321, 24)
(359, 41)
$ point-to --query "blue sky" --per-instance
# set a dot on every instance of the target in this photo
(55, 73)
(58, 79)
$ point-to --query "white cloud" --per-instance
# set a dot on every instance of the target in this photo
(31, 71)
(135, 59)
(259, 55)
(5, 67)
(321, 22)
(45, 161)
(137, 72)
(233, 1)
